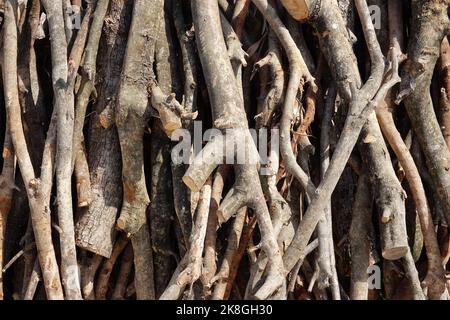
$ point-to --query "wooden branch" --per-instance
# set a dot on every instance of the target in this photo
(417, 73)
(204, 163)
(94, 229)
(35, 277)
(132, 111)
(297, 71)
(193, 270)
(143, 264)
(124, 274)
(41, 222)
(359, 239)
(444, 114)
(102, 283)
(7, 185)
(435, 269)
(64, 105)
(185, 37)
(274, 97)
(83, 179)
(359, 110)
(221, 279)
(413, 276)
(228, 112)
(210, 255)
(174, 290)
(327, 261)
(89, 266)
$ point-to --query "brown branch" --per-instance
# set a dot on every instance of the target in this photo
(132, 114)
(41, 222)
(143, 264)
(193, 270)
(102, 283)
(83, 179)
(359, 239)
(445, 91)
(363, 102)
(210, 255)
(7, 185)
(94, 229)
(88, 269)
(297, 71)
(124, 274)
(221, 279)
(228, 112)
(430, 25)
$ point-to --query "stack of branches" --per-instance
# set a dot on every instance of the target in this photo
(108, 191)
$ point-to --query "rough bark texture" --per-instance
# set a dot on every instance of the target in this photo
(429, 25)
(95, 228)
(217, 149)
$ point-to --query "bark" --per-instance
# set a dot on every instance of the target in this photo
(205, 149)
(162, 211)
(102, 285)
(210, 251)
(132, 112)
(41, 222)
(64, 106)
(362, 102)
(124, 274)
(228, 112)
(444, 116)
(360, 241)
(143, 264)
(89, 267)
(95, 230)
(6, 192)
(429, 24)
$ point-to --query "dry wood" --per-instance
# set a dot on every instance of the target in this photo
(41, 222)
(205, 149)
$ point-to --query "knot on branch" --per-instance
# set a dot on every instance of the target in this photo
(411, 73)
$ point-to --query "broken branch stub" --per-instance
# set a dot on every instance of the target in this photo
(167, 107)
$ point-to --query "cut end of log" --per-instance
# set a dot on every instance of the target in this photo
(171, 126)
(191, 183)
(83, 204)
(121, 224)
(298, 9)
(395, 253)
